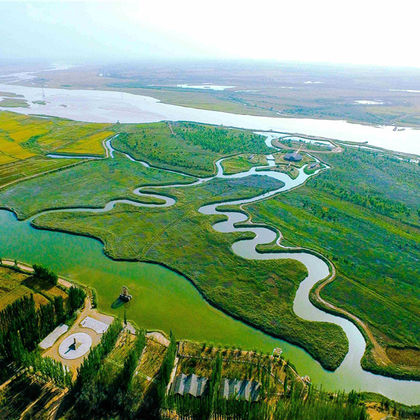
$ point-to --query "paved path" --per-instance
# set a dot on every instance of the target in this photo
(26, 268)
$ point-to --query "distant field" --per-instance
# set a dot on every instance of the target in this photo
(13, 102)
(262, 88)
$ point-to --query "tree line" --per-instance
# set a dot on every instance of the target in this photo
(22, 326)
(99, 391)
(220, 140)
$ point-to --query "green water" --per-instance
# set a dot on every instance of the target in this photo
(162, 299)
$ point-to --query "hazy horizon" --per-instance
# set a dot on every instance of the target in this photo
(358, 33)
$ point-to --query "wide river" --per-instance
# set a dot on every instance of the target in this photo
(110, 106)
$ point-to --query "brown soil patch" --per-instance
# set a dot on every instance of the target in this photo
(40, 300)
(407, 356)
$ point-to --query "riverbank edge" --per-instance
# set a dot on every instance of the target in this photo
(366, 362)
(233, 315)
(265, 112)
(27, 268)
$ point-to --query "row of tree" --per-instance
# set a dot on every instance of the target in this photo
(107, 392)
(92, 364)
(23, 322)
(369, 199)
(23, 325)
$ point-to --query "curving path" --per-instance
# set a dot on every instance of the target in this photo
(317, 268)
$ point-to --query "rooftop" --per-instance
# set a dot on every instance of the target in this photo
(294, 157)
(241, 389)
(191, 384)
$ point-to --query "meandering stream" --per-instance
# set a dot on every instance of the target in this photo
(208, 320)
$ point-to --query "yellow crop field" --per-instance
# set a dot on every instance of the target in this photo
(25, 133)
(89, 145)
(23, 136)
(11, 151)
(14, 149)
(5, 158)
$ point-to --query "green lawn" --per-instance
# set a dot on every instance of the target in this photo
(243, 163)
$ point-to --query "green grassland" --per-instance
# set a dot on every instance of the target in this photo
(356, 214)
(242, 163)
(363, 215)
(191, 147)
(91, 184)
(31, 167)
(258, 292)
(14, 103)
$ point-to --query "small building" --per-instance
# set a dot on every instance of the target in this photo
(314, 165)
(191, 384)
(293, 157)
(240, 389)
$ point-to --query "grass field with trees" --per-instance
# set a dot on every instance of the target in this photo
(187, 147)
(91, 184)
(243, 163)
(357, 214)
(15, 285)
(363, 214)
(258, 292)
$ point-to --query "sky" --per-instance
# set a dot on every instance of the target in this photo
(371, 32)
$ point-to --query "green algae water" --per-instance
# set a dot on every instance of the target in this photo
(164, 300)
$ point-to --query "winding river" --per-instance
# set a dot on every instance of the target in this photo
(171, 300)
